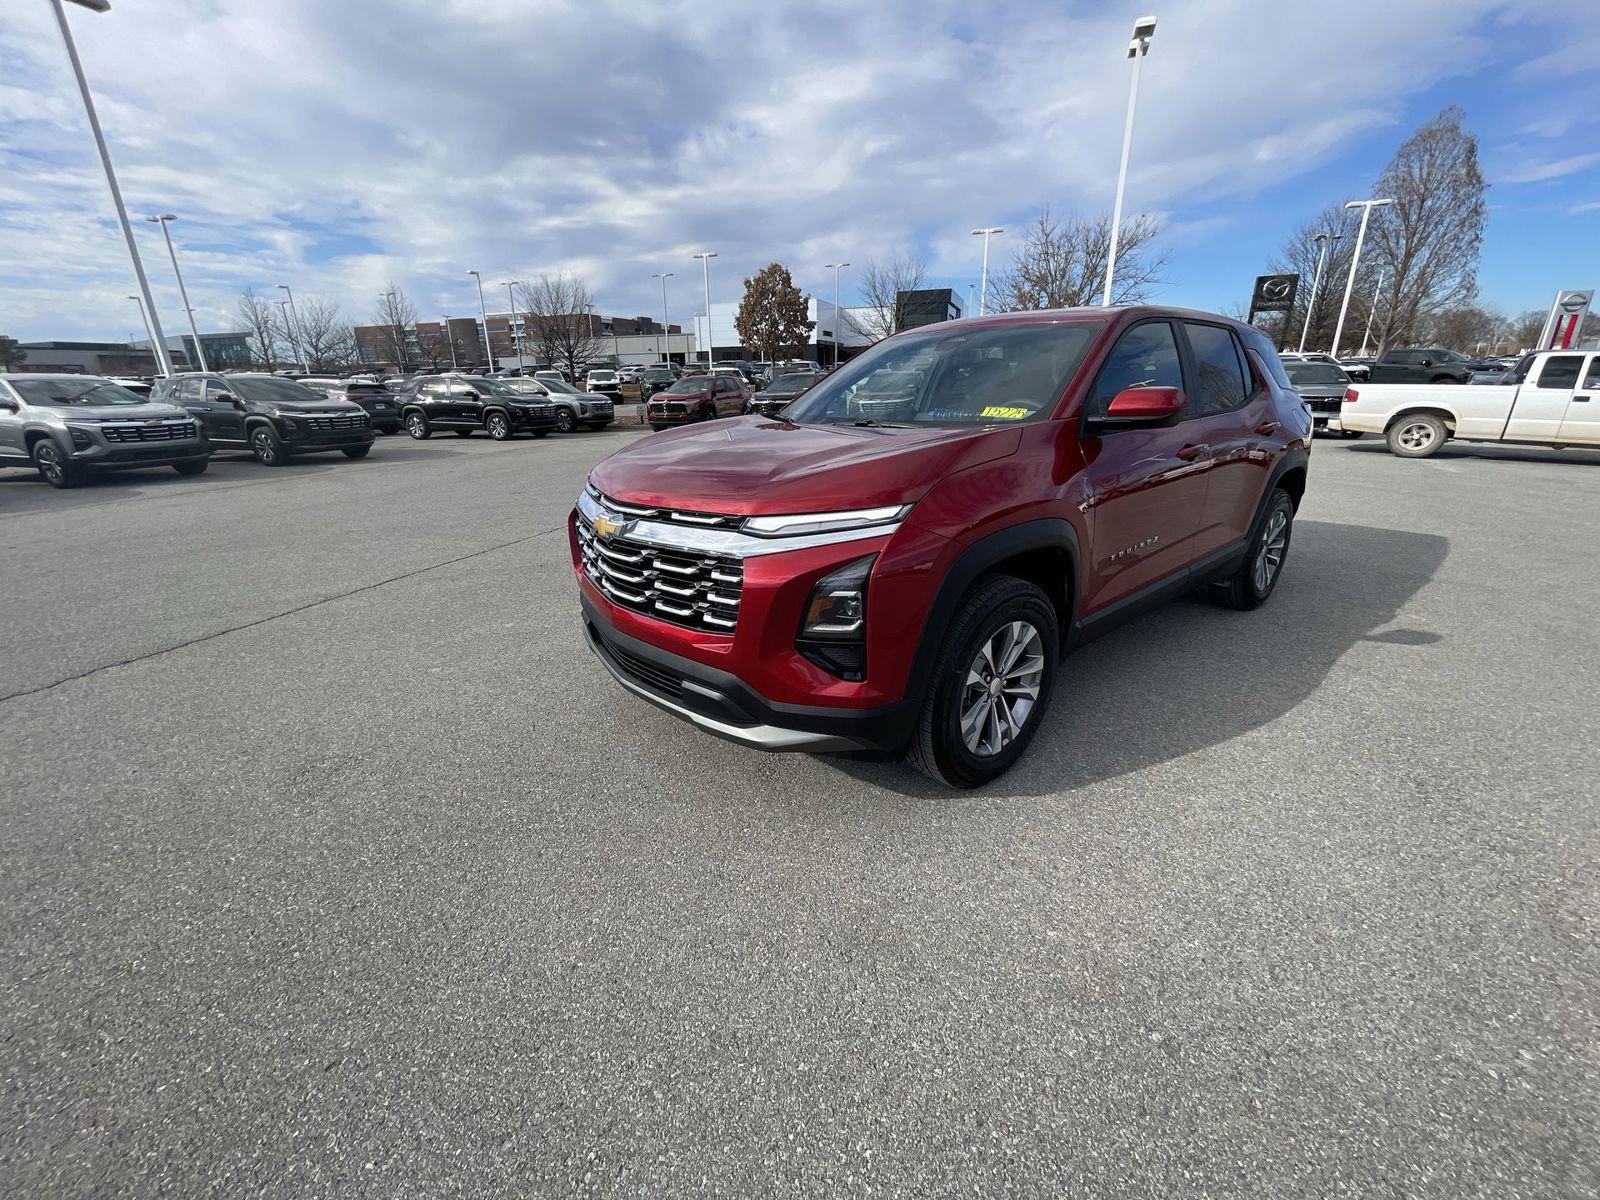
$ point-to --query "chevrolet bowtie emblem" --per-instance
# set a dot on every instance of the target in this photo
(606, 527)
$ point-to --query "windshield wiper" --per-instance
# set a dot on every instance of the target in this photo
(869, 423)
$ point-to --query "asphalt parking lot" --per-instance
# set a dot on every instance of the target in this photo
(335, 865)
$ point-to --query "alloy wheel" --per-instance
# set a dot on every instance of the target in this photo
(48, 459)
(498, 429)
(1418, 435)
(416, 426)
(1002, 688)
(1270, 557)
(261, 443)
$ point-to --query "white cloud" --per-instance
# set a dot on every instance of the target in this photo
(1539, 172)
(332, 146)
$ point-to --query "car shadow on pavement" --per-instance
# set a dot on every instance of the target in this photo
(1194, 674)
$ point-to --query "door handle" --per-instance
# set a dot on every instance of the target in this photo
(1580, 399)
(1190, 453)
(1267, 427)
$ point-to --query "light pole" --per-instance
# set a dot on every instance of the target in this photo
(295, 341)
(1366, 207)
(450, 340)
(145, 318)
(705, 257)
(484, 313)
(1326, 240)
(835, 268)
(283, 306)
(511, 315)
(161, 219)
(399, 333)
(1143, 30)
(1371, 313)
(983, 288)
(158, 340)
(664, 276)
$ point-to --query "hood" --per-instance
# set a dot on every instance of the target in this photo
(154, 411)
(750, 466)
(1321, 391)
(330, 405)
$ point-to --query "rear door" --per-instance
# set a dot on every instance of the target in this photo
(1233, 416)
(1147, 486)
(1543, 399)
(1581, 425)
(13, 445)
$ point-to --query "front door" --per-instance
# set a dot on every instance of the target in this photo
(1581, 425)
(223, 417)
(466, 404)
(1542, 400)
(1147, 485)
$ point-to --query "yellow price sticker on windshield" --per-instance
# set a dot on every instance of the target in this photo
(1005, 414)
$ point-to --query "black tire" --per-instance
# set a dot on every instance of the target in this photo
(418, 427)
(267, 446)
(657, 428)
(540, 433)
(463, 433)
(1444, 379)
(54, 467)
(1256, 577)
(498, 426)
(991, 610)
(1351, 435)
(1417, 435)
(192, 468)
(565, 421)
(357, 451)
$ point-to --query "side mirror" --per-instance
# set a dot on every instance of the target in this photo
(1425, 362)
(1137, 406)
(9, 406)
(236, 402)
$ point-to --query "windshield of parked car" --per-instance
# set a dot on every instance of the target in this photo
(953, 375)
(602, 373)
(61, 392)
(264, 389)
(560, 387)
(688, 387)
(791, 383)
(1314, 372)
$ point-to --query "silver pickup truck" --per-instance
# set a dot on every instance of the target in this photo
(1552, 398)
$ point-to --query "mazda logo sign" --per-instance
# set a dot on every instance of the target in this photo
(1275, 289)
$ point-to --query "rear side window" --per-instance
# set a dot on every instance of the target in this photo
(1592, 379)
(1267, 354)
(1561, 371)
(1145, 356)
(1222, 382)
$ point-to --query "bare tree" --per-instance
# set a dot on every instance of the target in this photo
(884, 286)
(1429, 240)
(562, 329)
(1062, 264)
(325, 337)
(394, 316)
(261, 329)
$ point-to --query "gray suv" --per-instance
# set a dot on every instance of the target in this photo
(67, 426)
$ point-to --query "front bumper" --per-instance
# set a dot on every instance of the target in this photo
(724, 705)
(168, 454)
(656, 416)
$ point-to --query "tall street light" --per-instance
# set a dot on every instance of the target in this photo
(296, 342)
(449, 337)
(158, 340)
(983, 291)
(161, 219)
(145, 318)
(511, 315)
(484, 313)
(1143, 30)
(836, 268)
(664, 276)
(399, 334)
(1366, 207)
(294, 345)
(705, 257)
(1325, 241)
(1371, 312)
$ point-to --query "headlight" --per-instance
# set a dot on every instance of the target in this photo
(833, 629)
(834, 522)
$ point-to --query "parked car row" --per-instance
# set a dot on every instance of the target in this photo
(68, 427)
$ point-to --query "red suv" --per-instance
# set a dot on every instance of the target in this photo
(900, 559)
(697, 398)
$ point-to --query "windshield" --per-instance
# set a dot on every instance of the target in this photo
(561, 387)
(1004, 374)
(688, 387)
(1314, 372)
(601, 373)
(785, 383)
(264, 389)
(88, 390)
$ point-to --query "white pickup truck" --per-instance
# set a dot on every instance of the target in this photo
(1552, 398)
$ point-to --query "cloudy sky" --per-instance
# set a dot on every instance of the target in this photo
(335, 145)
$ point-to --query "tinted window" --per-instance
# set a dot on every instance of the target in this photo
(264, 389)
(1222, 386)
(686, 387)
(1561, 371)
(1145, 356)
(1592, 380)
(62, 392)
(1268, 357)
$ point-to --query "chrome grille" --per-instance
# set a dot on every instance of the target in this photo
(342, 421)
(672, 516)
(166, 431)
(685, 587)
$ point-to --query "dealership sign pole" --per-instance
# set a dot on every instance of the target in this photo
(1272, 293)
(1565, 320)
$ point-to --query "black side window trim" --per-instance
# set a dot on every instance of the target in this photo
(1091, 409)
